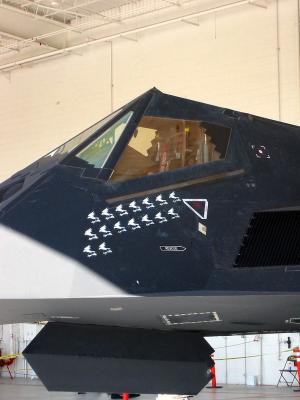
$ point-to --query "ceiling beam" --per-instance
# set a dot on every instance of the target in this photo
(8, 48)
(188, 21)
(173, 2)
(83, 4)
(34, 16)
(258, 4)
(23, 40)
(107, 38)
(39, 38)
(57, 10)
(11, 36)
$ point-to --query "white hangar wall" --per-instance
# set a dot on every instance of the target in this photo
(252, 359)
(243, 58)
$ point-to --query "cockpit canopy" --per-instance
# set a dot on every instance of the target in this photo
(133, 143)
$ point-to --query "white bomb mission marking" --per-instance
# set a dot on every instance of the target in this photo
(125, 218)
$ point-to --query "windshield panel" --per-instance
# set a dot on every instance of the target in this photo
(97, 152)
(71, 144)
(93, 157)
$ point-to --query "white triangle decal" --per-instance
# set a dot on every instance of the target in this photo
(198, 206)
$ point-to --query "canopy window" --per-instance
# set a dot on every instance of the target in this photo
(166, 144)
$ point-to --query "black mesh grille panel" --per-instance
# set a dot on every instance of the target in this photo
(272, 239)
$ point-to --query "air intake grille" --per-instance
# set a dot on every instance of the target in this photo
(272, 239)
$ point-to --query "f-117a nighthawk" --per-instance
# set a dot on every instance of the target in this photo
(167, 221)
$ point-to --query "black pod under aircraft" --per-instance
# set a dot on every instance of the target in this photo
(167, 221)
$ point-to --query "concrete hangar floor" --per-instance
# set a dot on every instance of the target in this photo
(23, 389)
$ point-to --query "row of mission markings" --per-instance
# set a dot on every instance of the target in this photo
(132, 224)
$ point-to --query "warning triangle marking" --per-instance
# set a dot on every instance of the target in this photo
(198, 206)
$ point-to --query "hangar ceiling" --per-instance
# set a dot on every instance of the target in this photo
(34, 30)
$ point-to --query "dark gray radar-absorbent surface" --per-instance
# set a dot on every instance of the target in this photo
(166, 221)
(74, 357)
